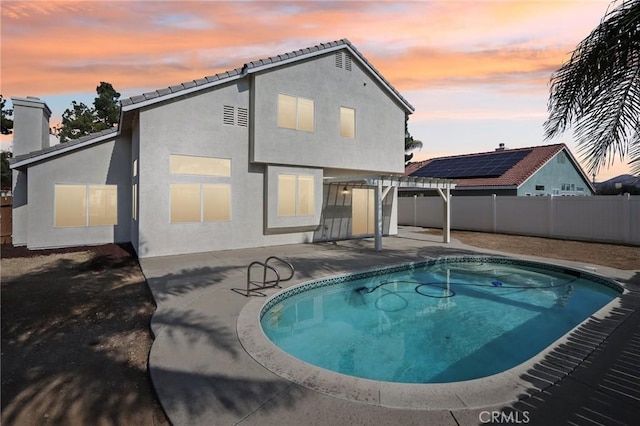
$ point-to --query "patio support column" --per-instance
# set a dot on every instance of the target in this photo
(446, 214)
(378, 216)
(380, 196)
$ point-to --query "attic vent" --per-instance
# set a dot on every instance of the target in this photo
(562, 158)
(347, 62)
(339, 60)
(243, 117)
(227, 115)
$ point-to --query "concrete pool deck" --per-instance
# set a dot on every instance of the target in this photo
(203, 375)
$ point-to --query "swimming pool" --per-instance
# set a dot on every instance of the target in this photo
(443, 321)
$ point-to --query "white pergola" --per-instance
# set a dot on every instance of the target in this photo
(383, 184)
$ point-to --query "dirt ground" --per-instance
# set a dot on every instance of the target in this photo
(75, 338)
(75, 328)
(614, 256)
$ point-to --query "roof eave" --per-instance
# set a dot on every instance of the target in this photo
(17, 164)
(179, 93)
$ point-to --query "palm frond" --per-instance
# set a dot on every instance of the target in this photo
(598, 90)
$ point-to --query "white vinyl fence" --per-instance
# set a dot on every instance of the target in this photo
(609, 218)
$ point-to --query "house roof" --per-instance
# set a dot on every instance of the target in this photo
(182, 89)
(523, 163)
(261, 65)
(61, 148)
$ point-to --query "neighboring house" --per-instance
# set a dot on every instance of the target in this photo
(534, 171)
(284, 150)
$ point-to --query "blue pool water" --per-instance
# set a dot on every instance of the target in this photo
(439, 323)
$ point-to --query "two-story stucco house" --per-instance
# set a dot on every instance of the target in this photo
(282, 150)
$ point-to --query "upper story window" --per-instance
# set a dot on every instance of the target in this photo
(539, 187)
(347, 122)
(295, 113)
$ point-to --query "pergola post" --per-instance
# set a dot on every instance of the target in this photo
(446, 214)
(378, 216)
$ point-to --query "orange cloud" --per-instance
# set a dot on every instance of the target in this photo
(57, 47)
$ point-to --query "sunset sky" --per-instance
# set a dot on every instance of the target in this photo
(476, 71)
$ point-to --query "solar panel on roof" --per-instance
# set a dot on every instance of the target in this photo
(485, 165)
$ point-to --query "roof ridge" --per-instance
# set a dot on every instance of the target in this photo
(248, 66)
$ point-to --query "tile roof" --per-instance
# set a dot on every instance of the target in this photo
(261, 64)
(104, 134)
(513, 177)
(179, 89)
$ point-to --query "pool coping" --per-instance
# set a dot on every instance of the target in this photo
(502, 388)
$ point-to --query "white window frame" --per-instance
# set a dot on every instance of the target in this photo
(215, 163)
(87, 205)
(297, 113)
(352, 124)
(296, 195)
(201, 206)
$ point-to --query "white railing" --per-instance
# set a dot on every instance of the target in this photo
(610, 218)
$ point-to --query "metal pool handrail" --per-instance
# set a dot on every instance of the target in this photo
(291, 268)
(267, 283)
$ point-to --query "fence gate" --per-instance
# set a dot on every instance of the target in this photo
(6, 219)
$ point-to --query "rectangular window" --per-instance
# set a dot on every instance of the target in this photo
(185, 202)
(103, 205)
(194, 202)
(205, 166)
(295, 113)
(347, 122)
(573, 186)
(86, 205)
(305, 115)
(287, 195)
(71, 205)
(296, 196)
(539, 187)
(305, 196)
(216, 203)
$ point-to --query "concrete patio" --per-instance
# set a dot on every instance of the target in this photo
(203, 375)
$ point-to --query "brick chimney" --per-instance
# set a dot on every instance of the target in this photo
(30, 125)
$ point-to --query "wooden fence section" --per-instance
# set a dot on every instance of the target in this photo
(613, 219)
(6, 219)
